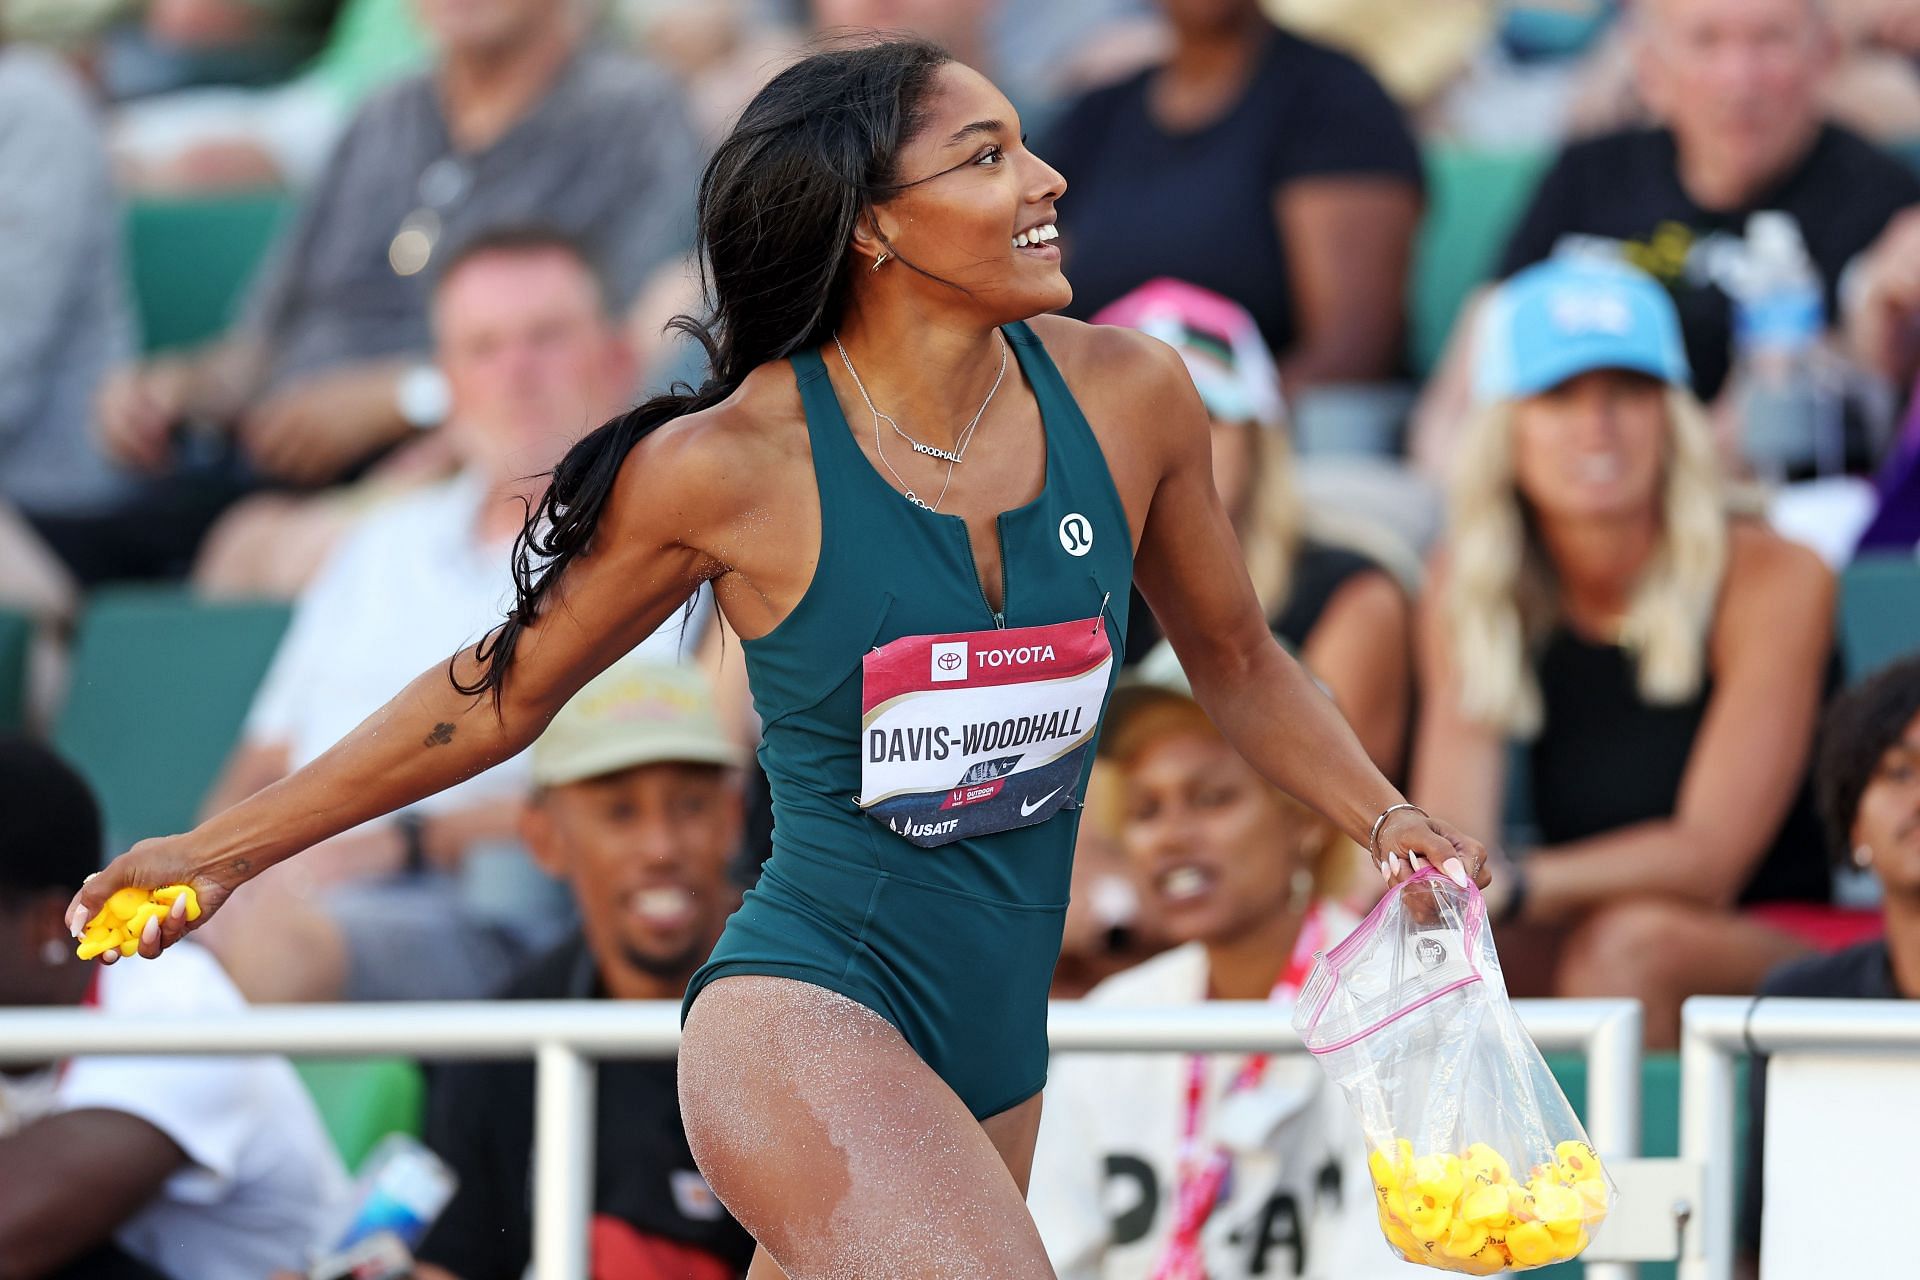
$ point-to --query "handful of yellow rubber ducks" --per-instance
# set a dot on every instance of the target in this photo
(1468, 1213)
(125, 915)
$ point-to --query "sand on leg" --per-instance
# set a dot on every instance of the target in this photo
(843, 1153)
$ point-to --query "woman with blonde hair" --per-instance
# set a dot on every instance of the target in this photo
(1663, 664)
(1173, 1166)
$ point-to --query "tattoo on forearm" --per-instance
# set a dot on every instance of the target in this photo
(442, 734)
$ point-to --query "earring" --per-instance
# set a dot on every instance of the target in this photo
(884, 255)
(1863, 856)
(54, 953)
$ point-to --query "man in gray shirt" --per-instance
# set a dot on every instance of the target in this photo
(64, 315)
(521, 121)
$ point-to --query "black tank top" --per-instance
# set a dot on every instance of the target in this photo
(1606, 759)
(1319, 571)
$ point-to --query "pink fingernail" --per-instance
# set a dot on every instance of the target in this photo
(150, 934)
(1455, 872)
(1394, 858)
(179, 909)
(1385, 874)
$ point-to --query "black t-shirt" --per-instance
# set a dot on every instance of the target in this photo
(1862, 972)
(654, 1216)
(1606, 758)
(1624, 188)
(1143, 203)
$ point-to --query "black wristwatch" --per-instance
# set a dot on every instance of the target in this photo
(413, 839)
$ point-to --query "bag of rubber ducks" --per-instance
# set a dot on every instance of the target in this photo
(1478, 1163)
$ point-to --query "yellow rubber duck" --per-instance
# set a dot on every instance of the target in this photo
(1427, 1217)
(1439, 1178)
(1575, 1161)
(124, 916)
(1531, 1244)
(1484, 1206)
(1463, 1240)
(1485, 1165)
(1558, 1207)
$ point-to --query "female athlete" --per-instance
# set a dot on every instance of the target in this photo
(919, 500)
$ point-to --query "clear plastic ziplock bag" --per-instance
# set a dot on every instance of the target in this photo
(1478, 1163)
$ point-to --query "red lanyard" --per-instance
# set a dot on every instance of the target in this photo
(1201, 1181)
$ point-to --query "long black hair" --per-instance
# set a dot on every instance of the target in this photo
(778, 206)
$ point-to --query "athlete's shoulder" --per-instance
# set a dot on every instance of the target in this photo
(752, 427)
(1106, 350)
(709, 462)
(1118, 368)
(1176, 976)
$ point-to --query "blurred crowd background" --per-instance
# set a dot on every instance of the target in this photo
(1562, 358)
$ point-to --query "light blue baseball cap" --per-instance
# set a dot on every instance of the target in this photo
(1567, 316)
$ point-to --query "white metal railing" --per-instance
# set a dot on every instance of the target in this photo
(1715, 1032)
(566, 1038)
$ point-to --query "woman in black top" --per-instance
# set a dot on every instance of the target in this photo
(1261, 166)
(1664, 663)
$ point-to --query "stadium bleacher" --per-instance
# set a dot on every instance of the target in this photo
(160, 685)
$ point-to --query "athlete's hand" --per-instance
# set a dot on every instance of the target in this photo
(1410, 840)
(155, 864)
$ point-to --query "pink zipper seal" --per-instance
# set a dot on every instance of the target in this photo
(1328, 967)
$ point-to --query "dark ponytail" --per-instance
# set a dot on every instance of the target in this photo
(778, 205)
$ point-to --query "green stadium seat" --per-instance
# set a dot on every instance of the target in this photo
(161, 683)
(1473, 200)
(1659, 1125)
(362, 1100)
(191, 259)
(1879, 611)
(16, 640)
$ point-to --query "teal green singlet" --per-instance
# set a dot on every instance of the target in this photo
(955, 944)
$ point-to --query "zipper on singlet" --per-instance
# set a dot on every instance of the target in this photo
(999, 619)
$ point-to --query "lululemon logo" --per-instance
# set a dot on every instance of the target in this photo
(1076, 534)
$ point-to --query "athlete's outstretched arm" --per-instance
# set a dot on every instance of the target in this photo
(641, 567)
(1189, 567)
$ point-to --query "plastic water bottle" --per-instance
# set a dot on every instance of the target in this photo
(401, 1189)
(1789, 401)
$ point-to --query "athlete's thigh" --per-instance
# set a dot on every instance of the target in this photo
(838, 1148)
(1013, 1133)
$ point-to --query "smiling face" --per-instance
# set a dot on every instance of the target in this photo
(646, 852)
(1593, 447)
(977, 211)
(1208, 837)
(1888, 818)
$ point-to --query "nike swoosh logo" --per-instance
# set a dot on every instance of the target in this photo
(1027, 807)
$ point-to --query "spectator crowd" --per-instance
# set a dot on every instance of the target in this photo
(1573, 568)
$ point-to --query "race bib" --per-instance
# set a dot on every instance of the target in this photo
(968, 734)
